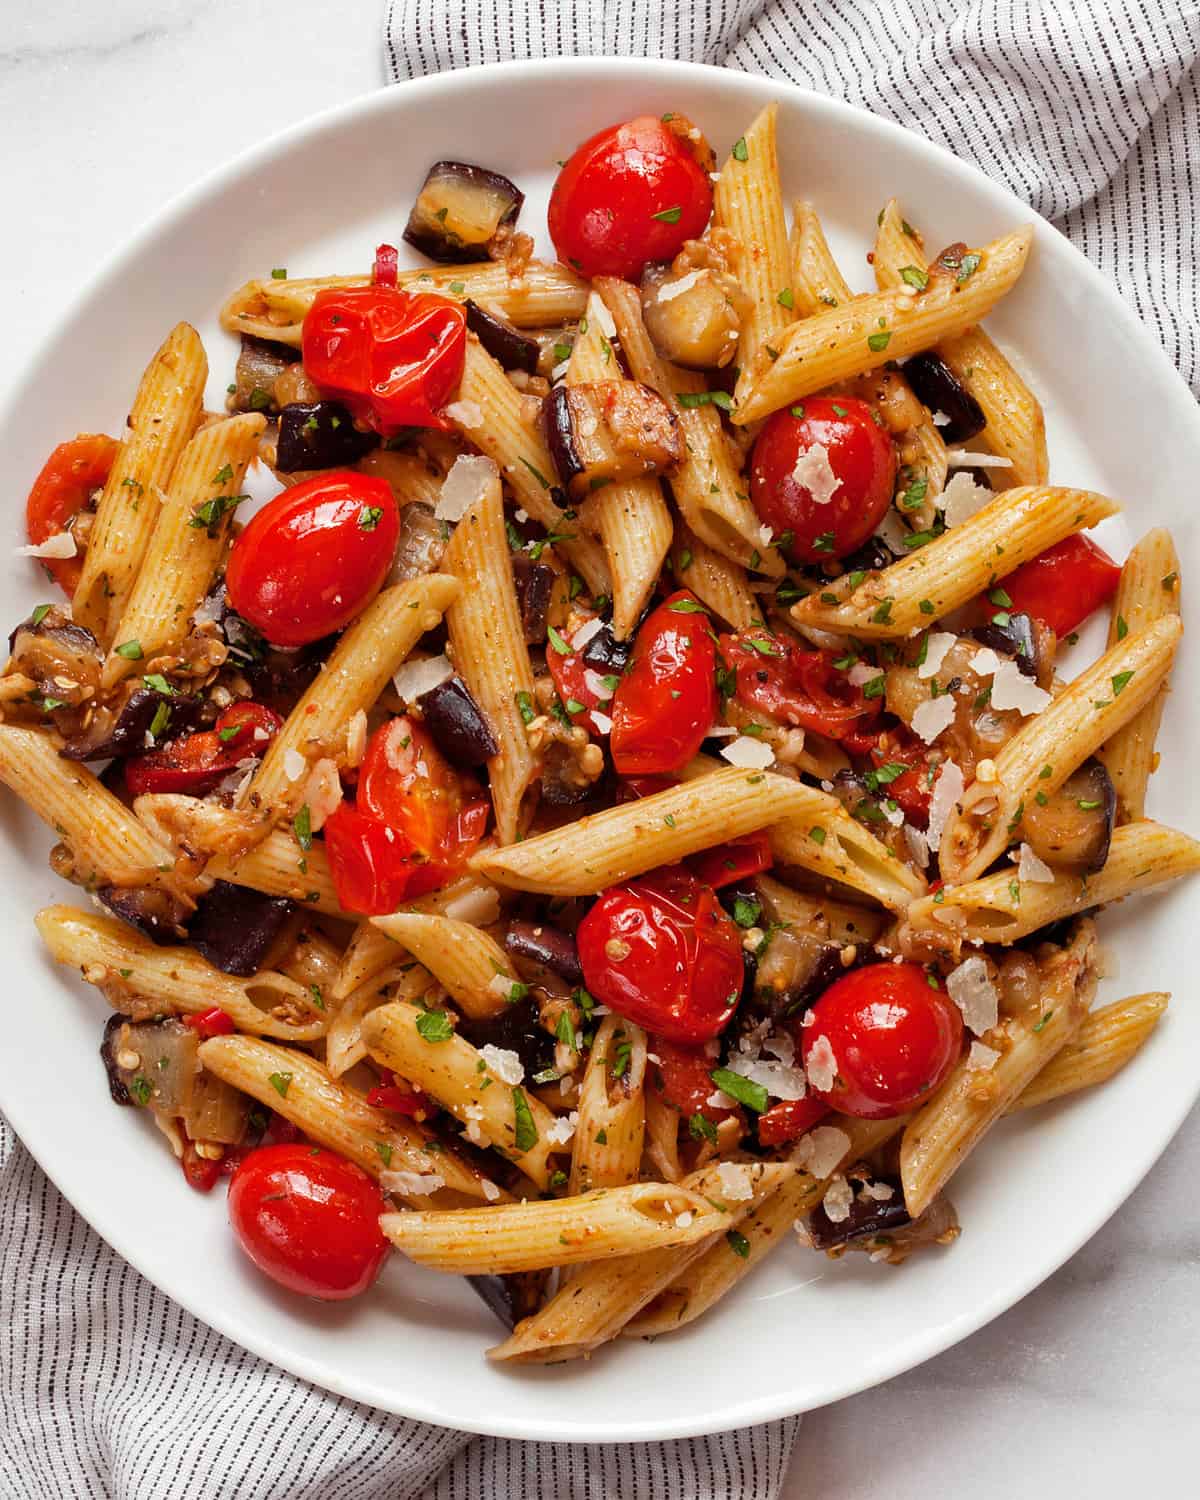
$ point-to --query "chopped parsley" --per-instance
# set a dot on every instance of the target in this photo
(1120, 682)
(385, 1152)
(738, 1243)
(209, 515)
(557, 641)
(280, 1082)
(141, 1090)
(701, 1128)
(40, 614)
(526, 1132)
(525, 708)
(878, 342)
(785, 298)
(434, 1026)
(752, 1095)
(745, 911)
(915, 277)
(302, 826)
(740, 151)
(130, 650)
(670, 215)
(369, 517)
(689, 399)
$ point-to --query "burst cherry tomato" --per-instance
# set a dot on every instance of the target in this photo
(314, 557)
(911, 790)
(734, 861)
(309, 1220)
(629, 196)
(825, 471)
(394, 359)
(789, 1119)
(248, 727)
(796, 687)
(1063, 585)
(571, 673)
(61, 491)
(892, 1038)
(667, 700)
(194, 763)
(214, 1022)
(661, 952)
(685, 1077)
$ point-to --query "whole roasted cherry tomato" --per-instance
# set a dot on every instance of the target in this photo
(61, 491)
(394, 359)
(1063, 585)
(797, 687)
(822, 472)
(685, 1076)
(309, 1219)
(888, 1035)
(790, 1118)
(734, 861)
(194, 763)
(667, 700)
(661, 952)
(629, 196)
(580, 687)
(314, 557)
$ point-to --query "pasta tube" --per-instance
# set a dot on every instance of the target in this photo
(474, 969)
(719, 584)
(607, 1145)
(1104, 1043)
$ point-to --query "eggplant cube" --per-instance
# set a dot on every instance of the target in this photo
(609, 430)
(458, 210)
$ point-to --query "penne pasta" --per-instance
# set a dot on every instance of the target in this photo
(826, 918)
(606, 1149)
(344, 1045)
(1107, 1039)
(719, 584)
(475, 971)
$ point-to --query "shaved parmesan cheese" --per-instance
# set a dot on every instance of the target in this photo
(474, 1114)
(963, 458)
(750, 754)
(294, 764)
(586, 631)
(985, 662)
(603, 724)
(718, 1099)
(669, 290)
(962, 498)
(596, 685)
(940, 419)
(596, 309)
(932, 717)
(1030, 867)
(502, 985)
(419, 675)
(466, 483)
(822, 1065)
(1012, 689)
(490, 1191)
(465, 413)
(892, 531)
(975, 995)
(61, 545)
(820, 1150)
(720, 732)
(396, 744)
(937, 643)
(765, 536)
(893, 814)
(560, 370)
(411, 1184)
(861, 672)
(947, 789)
(918, 846)
(813, 472)
(560, 1131)
(982, 1056)
(879, 1192)
(839, 1196)
(684, 1220)
(322, 792)
(736, 1182)
(779, 1080)
(781, 1046)
(505, 1064)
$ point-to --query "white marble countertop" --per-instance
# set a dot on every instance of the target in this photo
(1089, 1385)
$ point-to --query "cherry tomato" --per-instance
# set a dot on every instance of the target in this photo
(387, 265)
(734, 861)
(796, 687)
(789, 1119)
(825, 471)
(406, 781)
(570, 674)
(214, 1022)
(667, 700)
(629, 196)
(194, 763)
(394, 359)
(314, 556)
(248, 727)
(1063, 585)
(201, 1174)
(400, 1101)
(661, 952)
(893, 1038)
(61, 491)
(685, 1077)
(309, 1219)
(911, 789)
(373, 866)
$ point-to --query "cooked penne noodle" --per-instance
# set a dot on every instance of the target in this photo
(946, 1129)
(340, 1119)
(824, 917)
(831, 842)
(950, 570)
(187, 543)
(161, 420)
(474, 969)
(457, 1075)
(719, 584)
(361, 665)
(1148, 589)
(1052, 744)
(1016, 426)
(1104, 1043)
(606, 1150)
(278, 866)
(867, 332)
(1001, 909)
(543, 295)
(492, 657)
(344, 1045)
(137, 976)
(748, 203)
(662, 1136)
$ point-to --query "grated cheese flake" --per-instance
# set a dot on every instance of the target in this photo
(982, 1057)
(750, 754)
(322, 792)
(735, 1180)
(669, 290)
(586, 631)
(294, 764)
(972, 990)
(947, 789)
(963, 458)
(821, 1065)
(60, 545)
(419, 675)
(932, 717)
(962, 498)
(918, 846)
(411, 1184)
(561, 1130)
(601, 722)
(466, 483)
(1012, 689)
(502, 1061)
(1031, 868)
(813, 472)
(839, 1196)
(937, 643)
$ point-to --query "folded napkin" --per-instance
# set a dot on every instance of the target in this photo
(1089, 111)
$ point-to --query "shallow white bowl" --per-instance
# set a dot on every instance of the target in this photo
(802, 1331)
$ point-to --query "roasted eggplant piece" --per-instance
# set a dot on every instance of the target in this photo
(867, 1216)
(609, 430)
(154, 1063)
(941, 390)
(422, 541)
(233, 927)
(535, 584)
(152, 911)
(507, 345)
(1072, 828)
(114, 733)
(549, 946)
(605, 653)
(63, 659)
(517, 1029)
(319, 435)
(1022, 638)
(692, 317)
(276, 677)
(108, 1048)
(457, 726)
(511, 1297)
(260, 362)
(458, 210)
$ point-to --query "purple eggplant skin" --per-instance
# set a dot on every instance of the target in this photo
(107, 739)
(604, 653)
(153, 912)
(1017, 639)
(872, 1217)
(233, 927)
(108, 1046)
(936, 384)
(276, 677)
(559, 434)
(319, 435)
(259, 362)
(76, 638)
(546, 945)
(535, 584)
(508, 346)
(511, 1297)
(425, 232)
(457, 725)
(516, 1029)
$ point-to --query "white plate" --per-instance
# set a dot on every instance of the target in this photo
(802, 1331)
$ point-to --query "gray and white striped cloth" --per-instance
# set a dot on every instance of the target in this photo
(1089, 111)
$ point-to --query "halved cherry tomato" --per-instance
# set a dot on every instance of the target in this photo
(628, 196)
(372, 865)
(248, 727)
(201, 1174)
(660, 951)
(790, 1118)
(824, 471)
(667, 700)
(214, 1022)
(64, 488)
(314, 556)
(892, 1035)
(734, 861)
(796, 687)
(394, 359)
(1063, 585)
(570, 673)
(684, 1075)
(912, 789)
(194, 763)
(309, 1219)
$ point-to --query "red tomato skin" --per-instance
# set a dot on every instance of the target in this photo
(604, 202)
(862, 457)
(309, 1219)
(667, 700)
(193, 765)
(570, 682)
(912, 790)
(796, 687)
(200, 1173)
(734, 861)
(789, 1119)
(406, 781)
(372, 865)
(685, 1074)
(61, 491)
(306, 564)
(682, 974)
(247, 718)
(1062, 586)
(392, 358)
(894, 1039)
(214, 1022)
